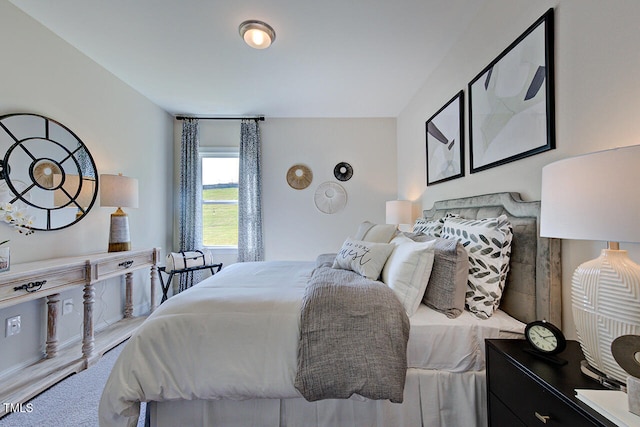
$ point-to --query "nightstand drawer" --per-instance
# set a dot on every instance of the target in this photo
(534, 391)
(501, 415)
(533, 403)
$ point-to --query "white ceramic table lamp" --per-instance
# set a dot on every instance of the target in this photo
(597, 197)
(119, 191)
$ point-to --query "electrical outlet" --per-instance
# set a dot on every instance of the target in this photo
(67, 306)
(13, 326)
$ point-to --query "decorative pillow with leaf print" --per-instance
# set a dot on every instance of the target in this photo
(488, 243)
(431, 227)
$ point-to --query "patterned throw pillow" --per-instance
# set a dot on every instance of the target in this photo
(430, 227)
(488, 243)
(365, 258)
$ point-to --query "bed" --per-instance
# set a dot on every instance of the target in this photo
(252, 381)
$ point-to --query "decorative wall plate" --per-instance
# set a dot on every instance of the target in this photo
(299, 176)
(47, 170)
(330, 197)
(343, 171)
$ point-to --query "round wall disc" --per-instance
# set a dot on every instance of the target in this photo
(343, 171)
(299, 177)
(330, 197)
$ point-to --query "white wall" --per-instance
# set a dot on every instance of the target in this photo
(293, 228)
(597, 103)
(123, 131)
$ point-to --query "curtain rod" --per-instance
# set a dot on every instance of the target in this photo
(256, 118)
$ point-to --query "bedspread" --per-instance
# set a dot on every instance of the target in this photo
(232, 336)
(353, 339)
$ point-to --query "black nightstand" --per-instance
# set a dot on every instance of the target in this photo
(523, 390)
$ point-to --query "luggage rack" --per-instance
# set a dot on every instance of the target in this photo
(165, 288)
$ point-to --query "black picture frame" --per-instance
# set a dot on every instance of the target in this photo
(512, 102)
(444, 134)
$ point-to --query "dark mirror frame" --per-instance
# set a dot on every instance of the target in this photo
(46, 171)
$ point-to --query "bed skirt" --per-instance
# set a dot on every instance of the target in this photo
(431, 399)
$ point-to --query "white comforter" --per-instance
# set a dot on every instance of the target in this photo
(232, 336)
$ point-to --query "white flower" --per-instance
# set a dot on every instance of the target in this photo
(16, 218)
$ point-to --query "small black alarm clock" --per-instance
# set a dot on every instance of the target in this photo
(545, 337)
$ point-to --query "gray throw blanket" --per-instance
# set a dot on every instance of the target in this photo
(353, 338)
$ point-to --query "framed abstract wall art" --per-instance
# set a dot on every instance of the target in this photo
(511, 102)
(445, 142)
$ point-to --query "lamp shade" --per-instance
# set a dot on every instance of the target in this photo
(398, 212)
(595, 196)
(118, 191)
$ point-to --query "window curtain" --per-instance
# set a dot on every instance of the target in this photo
(250, 245)
(190, 218)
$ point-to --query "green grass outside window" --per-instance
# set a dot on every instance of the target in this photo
(220, 221)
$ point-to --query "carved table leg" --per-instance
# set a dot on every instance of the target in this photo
(88, 341)
(128, 299)
(154, 285)
(53, 305)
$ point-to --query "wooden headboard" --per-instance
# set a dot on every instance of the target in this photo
(533, 288)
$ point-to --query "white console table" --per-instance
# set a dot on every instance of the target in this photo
(46, 279)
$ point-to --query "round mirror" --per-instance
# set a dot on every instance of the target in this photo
(47, 171)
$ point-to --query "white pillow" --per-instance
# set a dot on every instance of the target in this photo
(408, 269)
(377, 233)
(365, 258)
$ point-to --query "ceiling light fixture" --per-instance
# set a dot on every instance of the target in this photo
(257, 34)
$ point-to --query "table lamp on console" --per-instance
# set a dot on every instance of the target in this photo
(120, 192)
(596, 196)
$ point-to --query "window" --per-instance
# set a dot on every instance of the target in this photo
(219, 197)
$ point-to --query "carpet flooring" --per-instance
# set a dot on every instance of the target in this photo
(72, 402)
